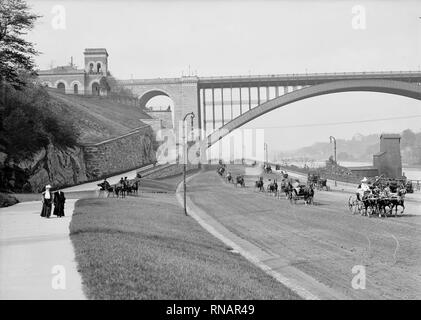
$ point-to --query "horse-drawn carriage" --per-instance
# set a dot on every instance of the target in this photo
(302, 192)
(273, 187)
(381, 198)
(120, 189)
(267, 168)
(317, 181)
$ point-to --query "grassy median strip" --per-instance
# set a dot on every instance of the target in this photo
(145, 248)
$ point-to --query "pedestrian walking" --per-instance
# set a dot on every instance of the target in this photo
(46, 202)
(59, 200)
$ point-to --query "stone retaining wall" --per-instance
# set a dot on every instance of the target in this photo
(123, 153)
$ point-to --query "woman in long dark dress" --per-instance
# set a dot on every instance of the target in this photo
(46, 202)
(59, 200)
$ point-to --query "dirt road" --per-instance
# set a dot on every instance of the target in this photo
(324, 241)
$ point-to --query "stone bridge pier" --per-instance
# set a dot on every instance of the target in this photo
(182, 91)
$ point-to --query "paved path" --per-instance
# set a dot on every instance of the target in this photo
(315, 248)
(30, 248)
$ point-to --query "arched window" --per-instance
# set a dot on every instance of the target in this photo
(91, 67)
(61, 87)
(75, 88)
(98, 67)
(95, 89)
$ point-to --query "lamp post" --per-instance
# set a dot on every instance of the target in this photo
(191, 114)
(332, 138)
(266, 160)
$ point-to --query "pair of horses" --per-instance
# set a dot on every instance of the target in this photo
(271, 188)
(259, 184)
(381, 203)
(301, 192)
(239, 179)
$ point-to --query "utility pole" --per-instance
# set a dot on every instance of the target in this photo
(332, 138)
(266, 160)
(191, 114)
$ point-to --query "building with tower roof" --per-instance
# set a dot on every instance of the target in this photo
(91, 80)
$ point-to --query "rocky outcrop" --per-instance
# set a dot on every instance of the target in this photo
(51, 165)
(69, 166)
(7, 200)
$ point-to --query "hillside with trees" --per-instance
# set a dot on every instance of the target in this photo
(362, 148)
(42, 131)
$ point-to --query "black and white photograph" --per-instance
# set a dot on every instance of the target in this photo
(208, 155)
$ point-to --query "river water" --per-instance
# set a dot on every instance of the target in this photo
(411, 172)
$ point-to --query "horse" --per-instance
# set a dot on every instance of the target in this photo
(286, 187)
(120, 190)
(370, 201)
(354, 205)
(259, 184)
(273, 187)
(240, 180)
(134, 188)
(267, 168)
(384, 201)
(220, 171)
(229, 177)
(398, 200)
(308, 194)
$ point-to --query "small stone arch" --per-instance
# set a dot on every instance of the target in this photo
(76, 87)
(61, 86)
(91, 67)
(95, 88)
(98, 67)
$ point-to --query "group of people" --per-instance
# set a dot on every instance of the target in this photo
(368, 187)
(50, 198)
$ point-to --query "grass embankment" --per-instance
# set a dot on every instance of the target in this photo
(145, 248)
(98, 119)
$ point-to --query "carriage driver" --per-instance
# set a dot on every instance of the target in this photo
(106, 184)
(362, 188)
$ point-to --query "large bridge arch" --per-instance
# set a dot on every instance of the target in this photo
(401, 88)
(148, 95)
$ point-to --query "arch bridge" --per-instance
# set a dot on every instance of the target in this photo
(231, 101)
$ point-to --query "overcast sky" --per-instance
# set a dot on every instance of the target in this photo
(147, 39)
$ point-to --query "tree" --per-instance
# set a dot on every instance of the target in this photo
(117, 88)
(408, 138)
(16, 54)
